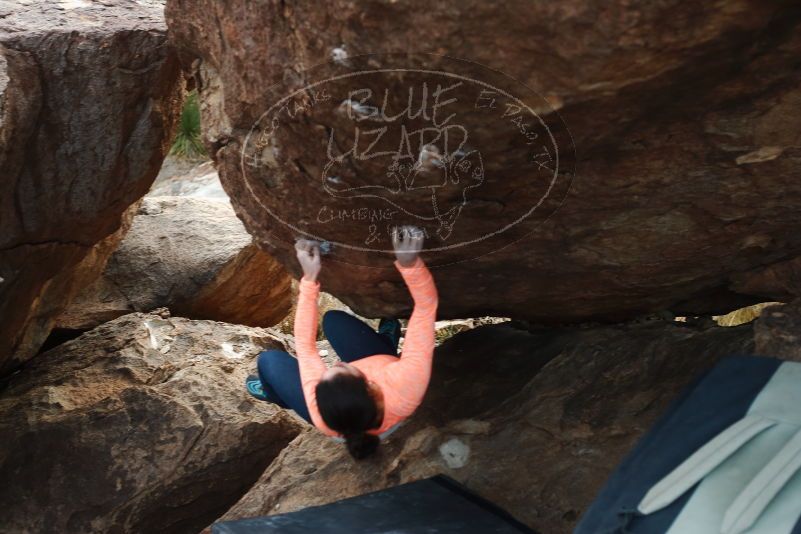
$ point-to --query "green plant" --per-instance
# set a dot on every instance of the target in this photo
(187, 143)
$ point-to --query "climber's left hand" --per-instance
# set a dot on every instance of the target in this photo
(308, 252)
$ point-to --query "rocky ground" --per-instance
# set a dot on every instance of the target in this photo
(193, 256)
(532, 418)
(188, 178)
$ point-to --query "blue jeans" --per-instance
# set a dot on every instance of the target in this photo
(350, 337)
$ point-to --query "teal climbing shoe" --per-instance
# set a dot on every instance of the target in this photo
(253, 385)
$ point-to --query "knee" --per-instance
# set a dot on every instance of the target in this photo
(267, 357)
(331, 317)
(270, 354)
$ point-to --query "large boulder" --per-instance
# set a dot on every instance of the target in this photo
(140, 425)
(684, 117)
(193, 256)
(89, 97)
(533, 419)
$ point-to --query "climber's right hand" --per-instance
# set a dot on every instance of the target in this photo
(308, 252)
(408, 242)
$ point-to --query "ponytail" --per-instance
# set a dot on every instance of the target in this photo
(362, 445)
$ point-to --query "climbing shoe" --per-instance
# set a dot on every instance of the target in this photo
(254, 387)
(391, 328)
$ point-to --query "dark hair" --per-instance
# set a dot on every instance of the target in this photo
(347, 407)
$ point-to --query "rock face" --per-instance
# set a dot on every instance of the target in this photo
(141, 425)
(686, 136)
(190, 255)
(778, 331)
(532, 419)
(89, 96)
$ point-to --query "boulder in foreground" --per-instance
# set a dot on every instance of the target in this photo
(90, 94)
(140, 425)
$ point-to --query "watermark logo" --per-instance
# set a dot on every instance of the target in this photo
(348, 150)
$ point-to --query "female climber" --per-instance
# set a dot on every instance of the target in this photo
(363, 398)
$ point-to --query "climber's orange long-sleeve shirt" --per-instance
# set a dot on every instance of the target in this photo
(402, 381)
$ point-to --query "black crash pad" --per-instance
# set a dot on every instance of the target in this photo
(436, 505)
